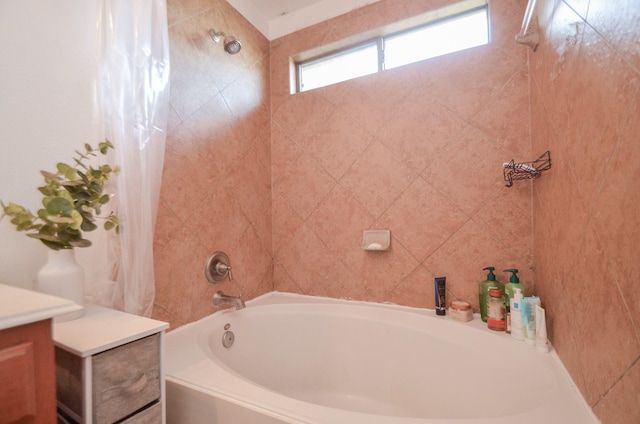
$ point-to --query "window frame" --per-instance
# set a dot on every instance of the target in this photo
(379, 41)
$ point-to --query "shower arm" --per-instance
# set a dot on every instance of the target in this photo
(528, 34)
(217, 35)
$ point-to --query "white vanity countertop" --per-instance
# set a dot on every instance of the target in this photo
(21, 306)
(101, 329)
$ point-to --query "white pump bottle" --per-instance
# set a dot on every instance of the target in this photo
(516, 315)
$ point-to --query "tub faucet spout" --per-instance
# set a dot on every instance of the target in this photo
(220, 298)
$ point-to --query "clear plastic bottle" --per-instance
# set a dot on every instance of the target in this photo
(496, 310)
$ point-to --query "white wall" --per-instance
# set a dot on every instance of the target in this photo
(48, 62)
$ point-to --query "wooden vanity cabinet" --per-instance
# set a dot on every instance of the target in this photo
(27, 377)
(27, 367)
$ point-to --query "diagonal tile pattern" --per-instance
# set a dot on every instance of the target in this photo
(585, 85)
(287, 183)
(417, 150)
(216, 189)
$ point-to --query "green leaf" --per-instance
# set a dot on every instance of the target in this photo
(79, 163)
(50, 176)
(104, 199)
(88, 225)
(77, 220)
(66, 195)
(21, 218)
(44, 237)
(60, 219)
(13, 209)
(83, 197)
(50, 242)
(48, 229)
(54, 245)
(83, 176)
(68, 234)
(80, 243)
(23, 226)
(95, 187)
(67, 171)
(59, 206)
(47, 190)
(104, 146)
(74, 183)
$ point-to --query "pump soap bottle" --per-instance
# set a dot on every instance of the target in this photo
(483, 291)
(516, 315)
(509, 288)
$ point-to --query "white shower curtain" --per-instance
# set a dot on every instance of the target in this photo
(133, 99)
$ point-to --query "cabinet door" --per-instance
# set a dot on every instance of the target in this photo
(27, 377)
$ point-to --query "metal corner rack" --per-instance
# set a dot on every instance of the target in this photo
(526, 170)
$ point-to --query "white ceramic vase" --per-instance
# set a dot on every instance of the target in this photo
(63, 277)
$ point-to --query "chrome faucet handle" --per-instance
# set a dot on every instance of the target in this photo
(218, 268)
(223, 269)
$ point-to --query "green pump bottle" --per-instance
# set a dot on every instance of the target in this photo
(483, 291)
(510, 287)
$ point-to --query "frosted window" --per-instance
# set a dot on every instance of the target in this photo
(437, 39)
(458, 32)
(339, 67)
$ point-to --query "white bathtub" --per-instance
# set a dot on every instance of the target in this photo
(298, 359)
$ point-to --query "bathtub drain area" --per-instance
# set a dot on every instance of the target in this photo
(228, 338)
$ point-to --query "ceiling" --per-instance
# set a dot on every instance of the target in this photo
(271, 9)
(277, 18)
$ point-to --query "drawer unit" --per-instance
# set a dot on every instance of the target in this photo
(118, 381)
(124, 379)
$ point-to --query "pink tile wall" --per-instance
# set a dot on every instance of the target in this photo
(586, 110)
(286, 184)
(216, 191)
(416, 150)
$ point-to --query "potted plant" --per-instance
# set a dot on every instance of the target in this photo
(72, 200)
(73, 197)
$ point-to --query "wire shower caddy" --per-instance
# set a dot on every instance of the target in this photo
(526, 170)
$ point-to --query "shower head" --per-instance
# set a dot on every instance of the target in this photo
(230, 43)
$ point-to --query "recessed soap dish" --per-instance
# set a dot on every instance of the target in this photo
(376, 239)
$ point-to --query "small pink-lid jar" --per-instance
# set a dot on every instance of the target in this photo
(460, 311)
